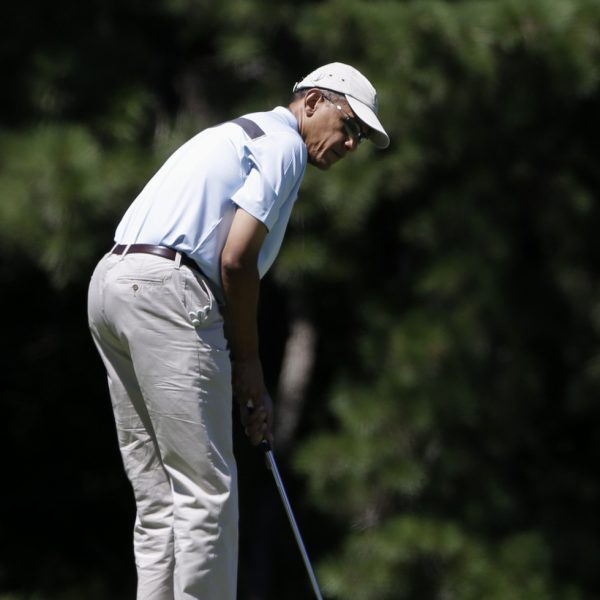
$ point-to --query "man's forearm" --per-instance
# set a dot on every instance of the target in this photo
(241, 283)
(241, 286)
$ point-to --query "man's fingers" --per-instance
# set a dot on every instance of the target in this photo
(256, 418)
(255, 423)
(251, 415)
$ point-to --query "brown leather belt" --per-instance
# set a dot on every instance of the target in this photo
(163, 251)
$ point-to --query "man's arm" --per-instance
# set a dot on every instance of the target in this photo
(241, 283)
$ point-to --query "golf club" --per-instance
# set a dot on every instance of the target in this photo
(266, 448)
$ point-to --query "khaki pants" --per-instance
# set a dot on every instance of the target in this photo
(160, 335)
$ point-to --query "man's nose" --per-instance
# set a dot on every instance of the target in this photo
(351, 143)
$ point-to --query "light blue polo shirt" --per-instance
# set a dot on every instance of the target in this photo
(190, 202)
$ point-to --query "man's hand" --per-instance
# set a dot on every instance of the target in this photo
(257, 422)
(256, 406)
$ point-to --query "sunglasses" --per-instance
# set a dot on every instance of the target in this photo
(351, 125)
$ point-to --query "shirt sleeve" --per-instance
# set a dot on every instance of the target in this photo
(273, 165)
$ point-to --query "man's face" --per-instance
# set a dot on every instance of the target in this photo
(331, 132)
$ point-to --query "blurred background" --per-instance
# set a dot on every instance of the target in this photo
(430, 331)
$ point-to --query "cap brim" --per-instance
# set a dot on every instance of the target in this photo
(378, 134)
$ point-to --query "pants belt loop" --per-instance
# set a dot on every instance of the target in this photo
(177, 260)
(113, 248)
(125, 251)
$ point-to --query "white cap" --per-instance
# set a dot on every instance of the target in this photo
(360, 94)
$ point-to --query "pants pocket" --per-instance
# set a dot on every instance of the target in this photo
(203, 311)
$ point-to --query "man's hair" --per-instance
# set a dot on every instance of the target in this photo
(333, 96)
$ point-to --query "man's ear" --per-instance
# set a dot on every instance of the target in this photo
(311, 99)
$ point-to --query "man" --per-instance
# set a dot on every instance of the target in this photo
(172, 310)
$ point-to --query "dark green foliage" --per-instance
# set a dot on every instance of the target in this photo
(460, 440)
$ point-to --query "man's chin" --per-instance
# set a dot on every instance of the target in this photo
(322, 163)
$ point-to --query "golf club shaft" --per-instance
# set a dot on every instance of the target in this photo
(295, 529)
(292, 520)
(265, 446)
